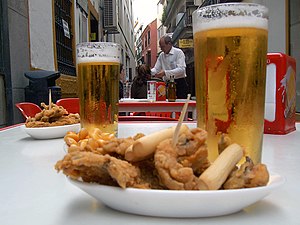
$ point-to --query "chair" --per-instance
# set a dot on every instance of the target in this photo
(70, 104)
(161, 114)
(164, 114)
(157, 114)
(28, 109)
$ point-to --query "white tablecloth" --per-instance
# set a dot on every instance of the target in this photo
(33, 193)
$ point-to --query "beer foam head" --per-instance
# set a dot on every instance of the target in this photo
(98, 52)
(230, 15)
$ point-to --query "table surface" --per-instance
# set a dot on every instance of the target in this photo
(33, 193)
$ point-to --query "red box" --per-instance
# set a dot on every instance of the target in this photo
(160, 91)
(280, 103)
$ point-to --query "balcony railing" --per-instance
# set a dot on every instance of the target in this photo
(169, 6)
(139, 55)
(179, 28)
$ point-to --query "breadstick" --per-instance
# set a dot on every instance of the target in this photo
(215, 175)
(145, 146)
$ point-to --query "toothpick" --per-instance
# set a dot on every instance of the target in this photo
(50, 99)
(182, 115)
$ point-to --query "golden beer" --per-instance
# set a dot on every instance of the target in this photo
(98, 83)
(230, 74)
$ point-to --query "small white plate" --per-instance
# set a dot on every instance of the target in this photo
(134, 100)
(169, 203)
(51, 132)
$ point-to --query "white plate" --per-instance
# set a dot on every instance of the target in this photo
(134, 100)
(166, 203)
(51, 132)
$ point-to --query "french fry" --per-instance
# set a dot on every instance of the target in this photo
(145, 146)
(215, 175)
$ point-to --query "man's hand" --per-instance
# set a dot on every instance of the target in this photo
(160, 74)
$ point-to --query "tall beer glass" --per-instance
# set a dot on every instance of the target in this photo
(230, 46)
(98, 68)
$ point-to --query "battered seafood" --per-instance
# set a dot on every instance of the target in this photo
(97, 168)
(178, 167)
(56, 116)
(247, 175)
(101, 157)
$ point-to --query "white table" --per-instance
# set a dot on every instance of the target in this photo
(33, 193)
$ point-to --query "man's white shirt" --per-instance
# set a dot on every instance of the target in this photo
(172, 63)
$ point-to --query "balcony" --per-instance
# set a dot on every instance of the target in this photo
(139, 56)
(183, 29)
(168, 11)
(173, 7)
(169, 6)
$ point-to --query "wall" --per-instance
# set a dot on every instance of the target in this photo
(19, 50)
(284, 37)
(2, 103)
(153, 42)
(41, 34)
(152, 46)
(295, 42)
(125, 36)
(277, 25)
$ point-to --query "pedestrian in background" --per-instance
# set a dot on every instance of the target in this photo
(121, 81)
(139, 84)
(171, 62)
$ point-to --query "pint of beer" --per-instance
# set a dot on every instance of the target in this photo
(98, 71)
(230, 46)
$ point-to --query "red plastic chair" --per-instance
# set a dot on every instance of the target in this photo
(163, 114)
(70, 104)
(28, 109)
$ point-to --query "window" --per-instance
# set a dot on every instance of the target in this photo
(148, 37)
(149, 58)
(64, 37)
(94, 33)
(81, 36)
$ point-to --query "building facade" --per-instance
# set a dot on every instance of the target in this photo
(284, 30)
(149, 44)
(177, 18)
(42, 35)
(138, 44)
(161, 29)
(119, 28)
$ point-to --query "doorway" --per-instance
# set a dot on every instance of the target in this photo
(94, 34)
(6, 106)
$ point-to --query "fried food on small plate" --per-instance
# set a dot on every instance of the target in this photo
(52, 116)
